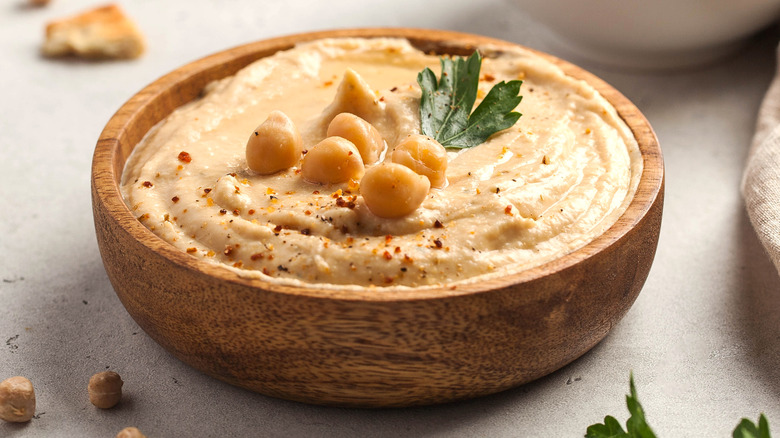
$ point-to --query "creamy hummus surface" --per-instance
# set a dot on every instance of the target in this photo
(531, 193)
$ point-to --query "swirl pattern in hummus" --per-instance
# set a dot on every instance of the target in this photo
(543, 188)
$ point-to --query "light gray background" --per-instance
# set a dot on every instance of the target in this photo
(703, 339)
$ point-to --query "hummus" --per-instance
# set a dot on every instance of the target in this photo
(531, 193)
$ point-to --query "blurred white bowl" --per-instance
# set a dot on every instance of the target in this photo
(657, 34)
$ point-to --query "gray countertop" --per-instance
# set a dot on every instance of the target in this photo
(703, 338)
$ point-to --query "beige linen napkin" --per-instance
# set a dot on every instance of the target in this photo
(761, 181)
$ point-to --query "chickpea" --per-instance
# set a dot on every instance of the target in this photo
(425, 156)
(274, 145)
(105, 389)
(362, 134)
(17, 400)
(392, 190)
(130, 432)
(332, 160)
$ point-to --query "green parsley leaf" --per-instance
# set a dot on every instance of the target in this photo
(747, 429)
(445, 105)
(610, 429)
(636, 426)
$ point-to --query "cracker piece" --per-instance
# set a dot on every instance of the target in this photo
(101, 33)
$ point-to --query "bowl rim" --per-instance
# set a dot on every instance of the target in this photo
(107, 166)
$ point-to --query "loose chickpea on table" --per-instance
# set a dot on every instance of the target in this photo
(17, 399)
(130, 432)
(105, 389)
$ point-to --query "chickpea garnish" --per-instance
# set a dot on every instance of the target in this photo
(105, 389)
(425, 156)
(274, 145)
(362, 134)
(130, 432)
(332, 160)
(17, 399)
(392, 190)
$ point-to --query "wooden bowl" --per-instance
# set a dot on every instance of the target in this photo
(360, 347)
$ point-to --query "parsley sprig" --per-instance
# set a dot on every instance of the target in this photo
(637, 427)
(446, 103)
(748, 429)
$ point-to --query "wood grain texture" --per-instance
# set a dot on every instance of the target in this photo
(360, 347)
